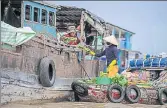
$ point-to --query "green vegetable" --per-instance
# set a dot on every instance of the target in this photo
(102, 74)
(84, 48)
(120, 79)
(68, 39)
(92, 81)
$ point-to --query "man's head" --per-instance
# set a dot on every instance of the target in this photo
(72, 34)
(72, 31)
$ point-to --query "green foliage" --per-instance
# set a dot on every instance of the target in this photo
(91, 81)
(120, 79)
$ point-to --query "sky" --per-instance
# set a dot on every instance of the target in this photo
(148, 19)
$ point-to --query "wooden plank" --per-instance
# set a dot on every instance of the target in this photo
(82, 27)
(156, 69)
(58, 46)
(10, 52)
(148, 68)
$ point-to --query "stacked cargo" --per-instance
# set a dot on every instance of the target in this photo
(149, 62)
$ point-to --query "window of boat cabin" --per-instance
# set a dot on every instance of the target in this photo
(28, 12)
(36, 14)
(51, 19)
(44, 17)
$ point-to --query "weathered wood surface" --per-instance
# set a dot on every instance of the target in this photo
(20, 86)
(27, 56)
(20, 70)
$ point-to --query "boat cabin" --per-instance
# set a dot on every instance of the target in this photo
(40, 16)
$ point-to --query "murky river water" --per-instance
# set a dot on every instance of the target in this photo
(81, 105)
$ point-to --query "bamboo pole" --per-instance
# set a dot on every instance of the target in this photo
(82, 27)
(81, 36)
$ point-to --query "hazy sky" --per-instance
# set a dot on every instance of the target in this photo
(148, 19)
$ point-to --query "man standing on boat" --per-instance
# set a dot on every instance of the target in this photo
(111, 53)
(71, 37)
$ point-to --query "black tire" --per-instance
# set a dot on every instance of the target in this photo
(80, 88)
(47, 72)
(111, 98)
(160, 95)
(128, 92)
(77, 99)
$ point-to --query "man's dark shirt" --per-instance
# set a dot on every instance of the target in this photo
(111, 53)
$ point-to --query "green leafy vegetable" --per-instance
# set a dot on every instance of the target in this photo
(120, 79)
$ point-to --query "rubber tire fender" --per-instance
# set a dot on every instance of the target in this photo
(47, 72)
(160, 92)
(76, 84)
(76, 97)
(127, 94)
(118, 87)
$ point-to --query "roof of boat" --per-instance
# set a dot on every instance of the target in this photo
(75, 10)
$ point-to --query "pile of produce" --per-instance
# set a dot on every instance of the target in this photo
(139, 78)
(91, 81)
(145, 85)
(103, 74)
(120, 80)
(84, 48)
(69, 39)
(103, 79)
